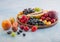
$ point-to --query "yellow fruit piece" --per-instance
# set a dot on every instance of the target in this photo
(20, 13)
(6, 24)
(48, 23)
(35, 15)
(45, 21)
(12, 20)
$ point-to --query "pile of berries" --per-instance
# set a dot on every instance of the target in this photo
(28, 11)
(26, 28)
(34, 21)
(12, 26)
(49, 17)
(24, 19)
(31, 10)
(20, 31)
(46, 19)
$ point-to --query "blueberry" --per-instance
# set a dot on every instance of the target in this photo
(34, 19)
(25, 12)
(18, 33)
(36, 23)
(9, 32)
(29, 9)
(32, 11)
(24, 34)
(41, 23)
(33, 23)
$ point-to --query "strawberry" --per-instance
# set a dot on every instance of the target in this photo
(26, 28)
(34, 28)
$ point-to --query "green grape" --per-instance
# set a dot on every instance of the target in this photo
(13, 34)
(37, 9)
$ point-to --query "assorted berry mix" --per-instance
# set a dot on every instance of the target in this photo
(29, 19)
(46, 19)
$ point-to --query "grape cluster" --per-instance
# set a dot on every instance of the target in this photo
(28, 11)
(34, 21)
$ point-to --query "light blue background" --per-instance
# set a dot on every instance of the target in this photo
(10, 8)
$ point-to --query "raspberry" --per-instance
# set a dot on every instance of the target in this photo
(23, 17)
(34, 28)
(22, 21)
(21, 27)
(26, 28)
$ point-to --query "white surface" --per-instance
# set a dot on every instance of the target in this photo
(10, 8)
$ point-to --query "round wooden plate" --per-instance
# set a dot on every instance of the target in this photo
(44, 26)
(40, 26)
